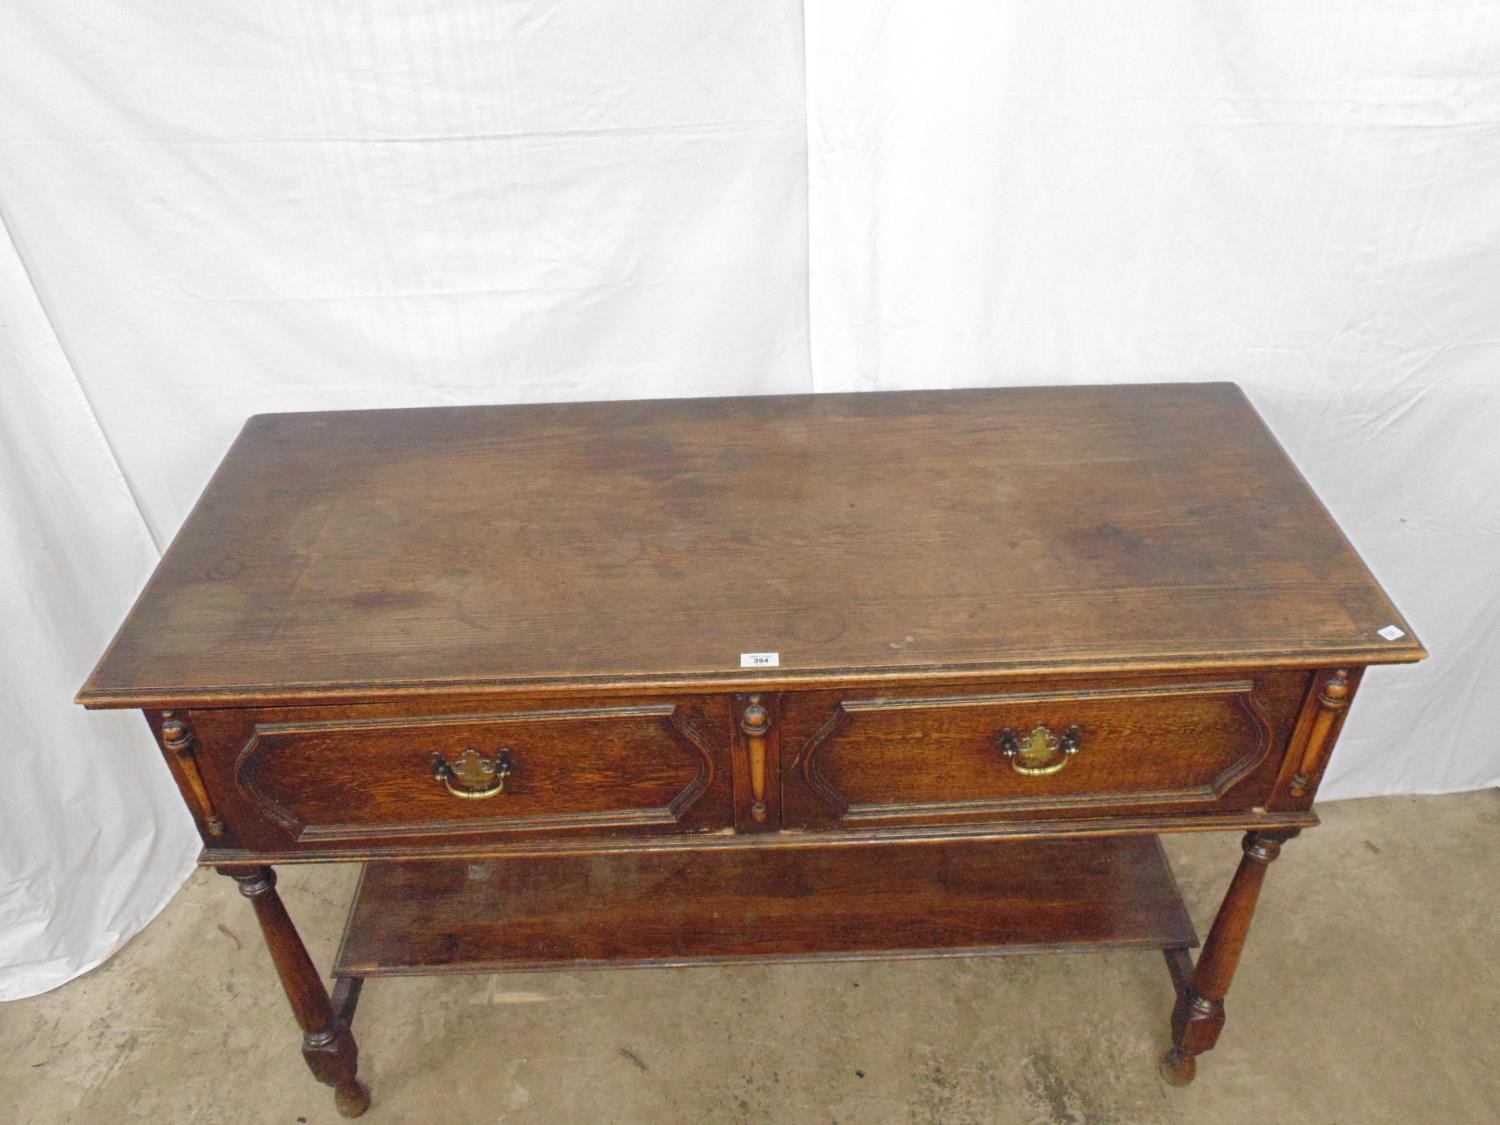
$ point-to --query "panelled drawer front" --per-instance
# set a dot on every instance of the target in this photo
(326, 777)
(1174, 745)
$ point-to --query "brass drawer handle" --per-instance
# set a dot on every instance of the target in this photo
(1041, 752)
(473, 776)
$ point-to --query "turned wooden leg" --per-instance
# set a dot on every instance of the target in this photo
(1198, 1016)
(327, 1043)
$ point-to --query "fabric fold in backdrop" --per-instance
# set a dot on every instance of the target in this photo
(93, 836)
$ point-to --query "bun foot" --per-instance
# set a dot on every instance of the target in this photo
(353, 1098)
(1178, 1069)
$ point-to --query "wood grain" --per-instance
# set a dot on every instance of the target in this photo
(334, 776)
(370, 554)
(572, 767)
(366, 607)
(804, 904)
(931, 755)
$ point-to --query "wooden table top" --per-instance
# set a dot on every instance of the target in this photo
(372, 554)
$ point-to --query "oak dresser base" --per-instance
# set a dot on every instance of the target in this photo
(765, 679)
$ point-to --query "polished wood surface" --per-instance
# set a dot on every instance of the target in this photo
(339, 779)
(625, 767)
(355, 780)
(848, 902)
(363, 555)
(1163, 744)
(495, 652)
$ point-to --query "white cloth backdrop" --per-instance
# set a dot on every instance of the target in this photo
(223, 209)
(93, 838)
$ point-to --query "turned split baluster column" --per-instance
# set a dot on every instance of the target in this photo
(1333, 701)
(327, 1043)
(755, 721)
(1198, 1016)
(757, 768)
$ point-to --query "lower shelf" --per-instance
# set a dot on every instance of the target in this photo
(845, 902)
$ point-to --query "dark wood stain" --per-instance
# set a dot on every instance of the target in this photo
(485, 548)
(1132, 585)
(575, 912)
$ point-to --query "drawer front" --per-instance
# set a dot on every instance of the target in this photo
(1042, 750)
(363, 775)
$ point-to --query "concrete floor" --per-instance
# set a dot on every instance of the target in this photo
(1370, 992)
